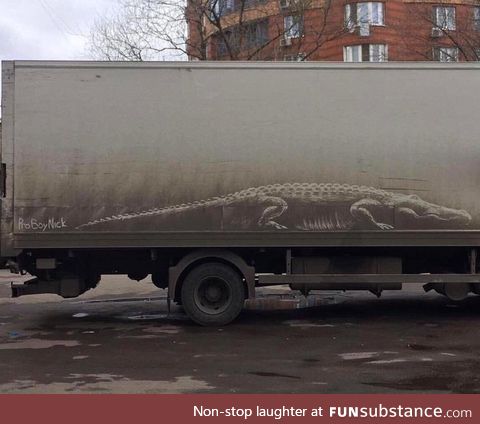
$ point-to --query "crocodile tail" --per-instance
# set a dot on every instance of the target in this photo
(168, 210)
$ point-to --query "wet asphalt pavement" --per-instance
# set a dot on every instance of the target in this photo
(120, 339)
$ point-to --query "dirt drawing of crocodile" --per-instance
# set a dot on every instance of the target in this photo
(314, 207)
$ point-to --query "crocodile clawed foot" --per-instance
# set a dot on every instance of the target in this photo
(275, 225)
(383, 226)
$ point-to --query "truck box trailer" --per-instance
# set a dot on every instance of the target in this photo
(217, 178)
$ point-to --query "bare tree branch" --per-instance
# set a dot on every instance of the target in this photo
(218, 29)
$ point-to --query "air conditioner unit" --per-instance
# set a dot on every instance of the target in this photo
(437, 32)
(285, 42)
(284, 4)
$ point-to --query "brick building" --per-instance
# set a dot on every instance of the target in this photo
(335, 30)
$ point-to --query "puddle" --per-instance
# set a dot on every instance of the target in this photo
(146, 317)
(457, 379)
(414, 346)
(274, 374)
(106, 383)
(419, 384)
(288, 301)
(80, 315)
(38, 344)
(305, 324)
(388, 361)
(150, 317)
(399, 360)
(357, 355)
(124, 299)
(165, 329)
(144, 336)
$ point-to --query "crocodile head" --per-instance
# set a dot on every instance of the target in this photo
(413, 209)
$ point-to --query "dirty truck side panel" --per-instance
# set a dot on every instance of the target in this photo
(7, 129)
(188, 154)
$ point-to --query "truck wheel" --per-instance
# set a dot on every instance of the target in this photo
(454, 291)
(213, 294)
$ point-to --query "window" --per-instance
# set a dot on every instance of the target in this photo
(445, 54)
(366, 53)
(476, 18)
(352, 54)
(222, 44)
(377, 53)
(444, 17)
(253, 34)
(293, 26)
(363, 15)
(220, 8)
(256, 34)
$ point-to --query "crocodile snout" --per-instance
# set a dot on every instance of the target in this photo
(459, 216)
(463, 217)
(455, 216)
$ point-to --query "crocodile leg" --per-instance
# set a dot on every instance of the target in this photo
(274, 207)
(362, 212)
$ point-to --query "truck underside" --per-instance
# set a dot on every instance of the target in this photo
(212, 284)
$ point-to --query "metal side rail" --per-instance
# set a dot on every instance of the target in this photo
(277, 279)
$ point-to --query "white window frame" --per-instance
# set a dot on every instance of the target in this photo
(445, 18)
(349, 23)
(221, 8)
(215, 8)
(229, 6)
(364, 15)
(292, 26)
(378, 8)
(357, 52)
(349, 53)
(382, 52)
(446, 54)
(476, 18)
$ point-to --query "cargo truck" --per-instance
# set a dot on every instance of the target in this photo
(218, 178)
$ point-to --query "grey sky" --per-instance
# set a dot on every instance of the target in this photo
(48, 29)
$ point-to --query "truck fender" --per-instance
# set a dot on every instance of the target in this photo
(177, 272)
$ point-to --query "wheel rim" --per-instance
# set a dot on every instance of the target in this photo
(213, 295)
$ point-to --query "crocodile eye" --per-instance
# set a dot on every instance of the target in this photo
(414, 197)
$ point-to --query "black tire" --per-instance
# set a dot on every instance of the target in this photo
(213, 294)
